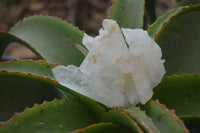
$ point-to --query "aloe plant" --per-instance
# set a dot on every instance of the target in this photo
(31, 100)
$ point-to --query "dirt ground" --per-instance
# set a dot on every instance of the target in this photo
(86, 14)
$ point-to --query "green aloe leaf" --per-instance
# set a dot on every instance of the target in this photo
(7, 38)
(180, 92)
(141, 123)
(142, 119)
(156, 28)
(83, 50)
(128, 13)
(189, 2)
(23, 90)
(40, 68)
(49, 37)
(165, 120)
(103, 128)
(178, 34)
(121, 118)
(57, 116)
(18, 93)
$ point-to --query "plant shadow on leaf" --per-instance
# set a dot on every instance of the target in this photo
(17, 93)
(57, 116)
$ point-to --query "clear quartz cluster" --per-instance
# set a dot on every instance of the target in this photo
(121, 68)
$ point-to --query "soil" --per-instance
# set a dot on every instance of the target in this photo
(86, 14)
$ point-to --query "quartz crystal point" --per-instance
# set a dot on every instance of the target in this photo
(121, 68)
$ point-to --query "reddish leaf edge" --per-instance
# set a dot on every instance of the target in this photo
(131, 120)
(179, 75)
(173, 114)
(96, 107)
(16, 39)
(183, 10)
(135, 127)
(50, 16)
(25, 110)
(5, 66)
(140, 123)
(91, 126)
(31, 60)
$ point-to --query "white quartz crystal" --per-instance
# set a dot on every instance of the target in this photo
(121, 68)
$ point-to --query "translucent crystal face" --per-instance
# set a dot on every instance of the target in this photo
(112, 73)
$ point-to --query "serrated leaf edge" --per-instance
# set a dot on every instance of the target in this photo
(147, 129)
(27, 109)
(139, 130)
(30, 60)
(23, 42)
(42, 15)
(181, 10)
(173, 114)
